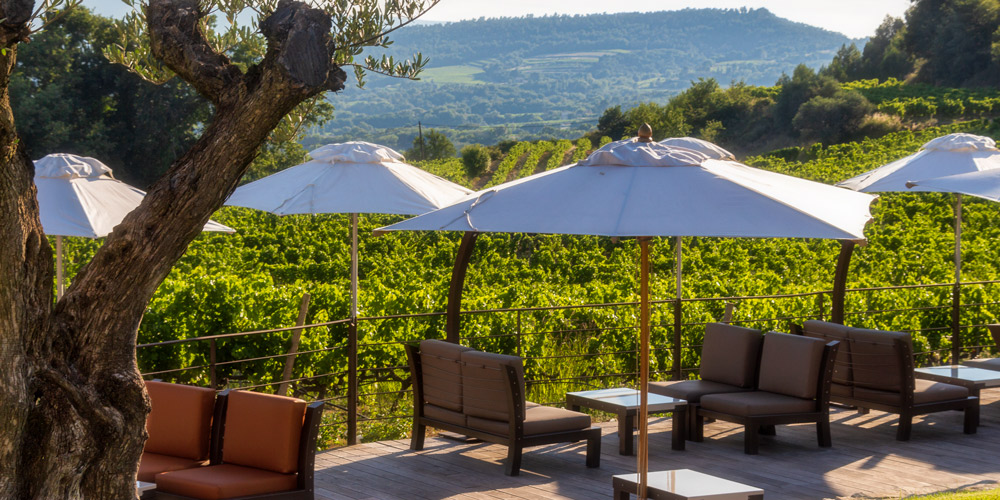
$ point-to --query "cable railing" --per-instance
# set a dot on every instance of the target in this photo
(360, 369)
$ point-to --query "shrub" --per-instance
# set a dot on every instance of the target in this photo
(475, 159)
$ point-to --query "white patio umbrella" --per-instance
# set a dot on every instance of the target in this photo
(948, 155)
(78, 196)
(982, 184)
(710, 150)
(352, 177)
(635, 188)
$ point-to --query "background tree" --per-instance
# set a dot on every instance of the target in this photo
(832, 119)
(432, 146)
(72, 403)
(68, 98)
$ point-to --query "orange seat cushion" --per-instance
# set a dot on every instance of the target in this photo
(217, 482)
(180, 420)
(152, 464)
(262, 431)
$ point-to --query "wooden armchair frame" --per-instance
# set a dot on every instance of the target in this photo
(515, 439)
(755, 425)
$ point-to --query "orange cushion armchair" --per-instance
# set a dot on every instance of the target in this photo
(267, 451)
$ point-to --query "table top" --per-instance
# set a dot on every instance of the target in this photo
(627, 399)
(978, 376)
(141, 486)
(693, 484)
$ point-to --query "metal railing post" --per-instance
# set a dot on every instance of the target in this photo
(520, 350)
(956, 318)
(212, 378)
(352, 382)
(677, 369)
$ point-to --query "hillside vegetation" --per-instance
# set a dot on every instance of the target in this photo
(490, 80)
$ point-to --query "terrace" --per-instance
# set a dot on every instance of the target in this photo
(364, 380)
(865, 461)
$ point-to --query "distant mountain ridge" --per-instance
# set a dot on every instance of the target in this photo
(550, 76)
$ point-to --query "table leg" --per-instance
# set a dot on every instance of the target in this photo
(626, 422)
(679, 432)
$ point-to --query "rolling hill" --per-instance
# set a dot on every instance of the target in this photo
(531, 77)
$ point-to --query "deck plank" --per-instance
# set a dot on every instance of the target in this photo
(865, 461)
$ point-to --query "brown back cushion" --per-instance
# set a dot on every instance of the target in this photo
(485, 383)
(875, 359)
(180, 420)
(440, 364)
(790, 365)
(263, 430)
(829, 332)
(729, 354)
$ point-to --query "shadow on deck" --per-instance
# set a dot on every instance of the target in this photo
(865, 461)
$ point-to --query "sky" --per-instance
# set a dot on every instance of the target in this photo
(854, 18)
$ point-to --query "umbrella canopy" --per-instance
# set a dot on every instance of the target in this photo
(704, 147)
(352, 177)
(984, 184)
(948, 155)
(951, 154)
(78, 196)
(630, 188)
(643, 189)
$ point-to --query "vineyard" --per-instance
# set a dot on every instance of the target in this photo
(254, 280)
(921, 101)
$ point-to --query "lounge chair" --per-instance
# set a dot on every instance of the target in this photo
(481, 395)
(988, 363)
(267, 451)
(875, 371)
(729, 359)
(793, 387)
(180, 426)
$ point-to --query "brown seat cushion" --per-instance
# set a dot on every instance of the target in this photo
(876, 359)
(692, 390)
(152, 464)
(729, 354)
(538, 420)
(756, 403)
(180, 420)
(440, 364)
(790, 365)
(984, 363)
(224, 481)
(842, 363)
(444, 414)
(262, 431)
(926, 391)
(485, 383)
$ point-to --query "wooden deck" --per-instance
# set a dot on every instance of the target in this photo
(865, 461)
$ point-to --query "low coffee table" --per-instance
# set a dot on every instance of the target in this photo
(142, 486)
(684, 484)
(624, 402)
(974, 378)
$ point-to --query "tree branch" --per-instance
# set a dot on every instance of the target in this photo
(177, 41)
(370, 40)
(299, 41)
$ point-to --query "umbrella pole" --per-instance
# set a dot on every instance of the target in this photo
(958, 238)
(354, 267)
(60, 288)
(643, 457)
(956, 293)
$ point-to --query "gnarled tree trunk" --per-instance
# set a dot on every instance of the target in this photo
(72, 402)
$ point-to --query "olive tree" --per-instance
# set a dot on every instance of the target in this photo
(72, 403)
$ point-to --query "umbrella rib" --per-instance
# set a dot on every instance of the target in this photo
(625, 200)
